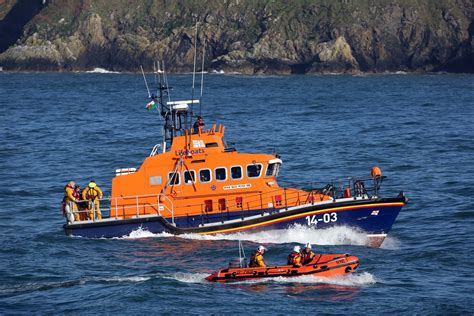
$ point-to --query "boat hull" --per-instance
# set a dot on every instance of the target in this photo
(326, 265)
(373, 216)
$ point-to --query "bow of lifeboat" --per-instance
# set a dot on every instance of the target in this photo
(323, 265)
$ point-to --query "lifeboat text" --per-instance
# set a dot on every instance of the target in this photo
(189, 152)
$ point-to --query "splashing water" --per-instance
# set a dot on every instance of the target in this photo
(295, 234)
(340, 235)
(352, 280)
(188, 277)
(143, 233)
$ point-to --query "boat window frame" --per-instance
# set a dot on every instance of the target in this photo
(215, 177)
(276, 173)
(254, 164)
(210, 175)
(241, 172)
(169, 179)
(184, 178)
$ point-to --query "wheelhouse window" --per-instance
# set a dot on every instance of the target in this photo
(205, 175)
(189, 177)
(173, 178)
(254, 170)
(220, 174)
(273, 169)
(236, 172)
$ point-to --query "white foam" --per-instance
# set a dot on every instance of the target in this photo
(143, 233)
(101, 71)
(188, 277)
(296, 234)
(127, 279)
(351, 280)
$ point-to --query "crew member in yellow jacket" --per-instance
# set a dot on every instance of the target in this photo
(70, 207)
(256, 260)
(93, 194)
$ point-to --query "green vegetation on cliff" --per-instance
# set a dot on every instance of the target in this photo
(248, 36)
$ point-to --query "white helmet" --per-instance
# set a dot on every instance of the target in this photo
(261, 248)
(296, 249)
(308, 245)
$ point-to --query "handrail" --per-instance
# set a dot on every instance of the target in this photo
(157, 206)
(289, 197)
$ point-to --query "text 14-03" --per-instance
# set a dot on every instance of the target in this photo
(313, 220)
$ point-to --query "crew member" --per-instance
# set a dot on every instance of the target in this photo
(93, 194)
(70, 203)
(294, 258)
(256, 260)
(80, 205)
(307, 255)
(198, 124)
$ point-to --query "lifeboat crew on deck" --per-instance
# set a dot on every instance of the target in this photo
(93, 194)
(256, 260)
(198, 124)
(307, 255)
(294, 258)
(80, 205)
(70, 207)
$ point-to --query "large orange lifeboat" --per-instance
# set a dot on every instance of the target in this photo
(322, 265)
(193, 182)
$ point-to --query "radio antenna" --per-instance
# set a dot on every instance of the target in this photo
(202, 75)
(194, 73)
(146, 83)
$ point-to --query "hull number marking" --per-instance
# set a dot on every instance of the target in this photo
(326, 218)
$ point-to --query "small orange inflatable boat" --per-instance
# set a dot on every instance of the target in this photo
(324, 265)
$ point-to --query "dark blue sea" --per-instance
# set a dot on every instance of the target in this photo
(79, 126)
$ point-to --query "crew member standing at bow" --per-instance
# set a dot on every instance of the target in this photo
(307, 255)
(294, 258)
(70, 202)
(93, 194)
(256, 260)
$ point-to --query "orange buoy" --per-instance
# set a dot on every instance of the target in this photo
(162, 198)
(376, 172)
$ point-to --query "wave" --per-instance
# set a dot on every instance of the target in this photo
(340, 235)
(143, 233)
(352, 280)
(296, 234)
(43, 286)
(101, 71)
(188, 277)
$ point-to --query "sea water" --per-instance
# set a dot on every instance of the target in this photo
(79, 126)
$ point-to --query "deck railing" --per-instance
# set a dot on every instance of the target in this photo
(161, 204)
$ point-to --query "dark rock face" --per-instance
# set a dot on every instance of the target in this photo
(247, 36)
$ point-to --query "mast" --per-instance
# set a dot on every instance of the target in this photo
(176, 114)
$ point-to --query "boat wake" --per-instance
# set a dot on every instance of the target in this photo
(295, 234)
(340, 235)
(101, 71)
(352, 280)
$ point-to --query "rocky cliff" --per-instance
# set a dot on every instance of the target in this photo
(240, 35)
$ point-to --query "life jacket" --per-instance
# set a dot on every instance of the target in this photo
(294, 258)
(66, 189)
(306, 257)
(91, 193)
(255, 258)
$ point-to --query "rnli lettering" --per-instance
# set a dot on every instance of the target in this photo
(189, 152)
(326, 218)
(237, 186)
